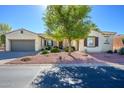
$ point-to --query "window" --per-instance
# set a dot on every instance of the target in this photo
(106, 40)
(49, 42)
(91, 41)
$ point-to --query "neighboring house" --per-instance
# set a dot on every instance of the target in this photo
(118, 42)
(24, 40)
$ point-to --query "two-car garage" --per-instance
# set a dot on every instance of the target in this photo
(23, 40)
(23, 45)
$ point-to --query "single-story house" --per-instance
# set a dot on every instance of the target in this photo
(25, 40)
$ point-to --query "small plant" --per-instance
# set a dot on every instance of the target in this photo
(42, 49)
(110, 51)
(25, 59)
(44, 52)
(60, 58)
(66, 49)
(55, 50)
(123, 40)
(55, 47)
(48, 47)
(115, 51)
(121, 51)
(73, 48)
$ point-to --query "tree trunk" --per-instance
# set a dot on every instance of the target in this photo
(77, 45)
(69, 51)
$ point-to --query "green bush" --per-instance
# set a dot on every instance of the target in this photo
(109, 51)
(121, 51)
(66, 49)
(123, 40)
(48, 47)
(44, 52)
(55, 50)
(42, 49)
(115, 51)
(73, 48)
(55, 47)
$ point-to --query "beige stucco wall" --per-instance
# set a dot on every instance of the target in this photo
(16, 35)
(100, 44)
(109, 46)
(101, 47)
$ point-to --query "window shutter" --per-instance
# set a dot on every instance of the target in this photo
(45, 42)
(96, 41)
(51, 42)
(85, 42)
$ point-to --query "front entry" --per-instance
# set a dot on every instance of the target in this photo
(61, 45)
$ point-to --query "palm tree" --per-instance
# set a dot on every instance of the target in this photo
(4, 28)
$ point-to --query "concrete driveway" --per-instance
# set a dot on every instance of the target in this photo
(17, 76)
(9, 56)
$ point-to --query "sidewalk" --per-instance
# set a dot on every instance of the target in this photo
(6, 60)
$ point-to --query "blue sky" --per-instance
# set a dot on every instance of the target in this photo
(108, 18)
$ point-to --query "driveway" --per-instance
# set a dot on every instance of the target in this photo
(17, 76)
(9, 56)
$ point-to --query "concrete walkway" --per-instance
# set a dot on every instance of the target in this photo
(17, 76)
(6, 60)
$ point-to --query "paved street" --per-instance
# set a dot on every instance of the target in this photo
(80, 77)
(17, 76)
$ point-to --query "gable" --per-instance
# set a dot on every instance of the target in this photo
(21, 34)
(95, 33)
(19, 30)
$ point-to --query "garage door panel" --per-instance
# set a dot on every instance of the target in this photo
(22, 45)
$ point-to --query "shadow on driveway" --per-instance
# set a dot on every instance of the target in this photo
(10, 55)
(81, 77)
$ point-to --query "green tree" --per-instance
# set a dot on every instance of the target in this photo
(4, 28)
(71, 22)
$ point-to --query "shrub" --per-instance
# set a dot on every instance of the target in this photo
(48, 47)
(66, 49)
(115, 51)
(121, 51)
(110, 51)
(44, 52)
(73, 48)
(123, 40)
(55, 50)
(26, 59)
(42, 49)
(55, 47)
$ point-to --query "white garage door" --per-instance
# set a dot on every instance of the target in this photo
(22, 45)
